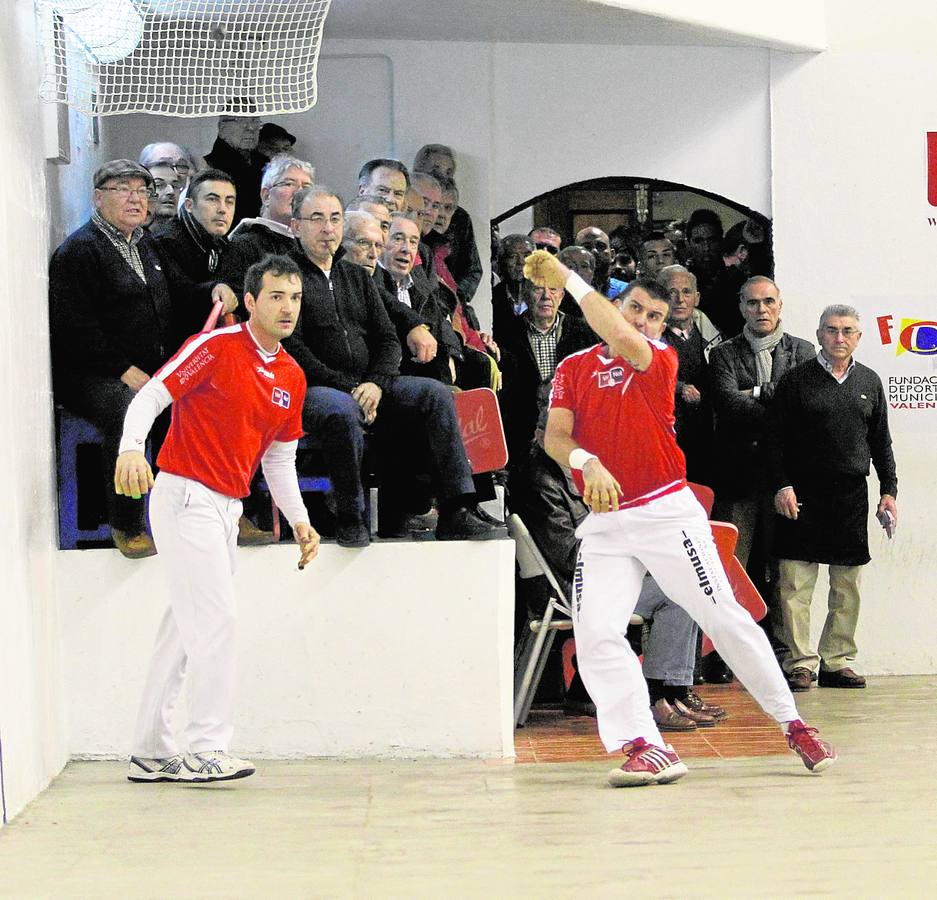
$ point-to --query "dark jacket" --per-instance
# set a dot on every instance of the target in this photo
(427, 309)
(463, 259)
(190, 278)
(246, 174)
(343, 336)
(103, 318)
(521, 379)
(248, 245)
(740, 418)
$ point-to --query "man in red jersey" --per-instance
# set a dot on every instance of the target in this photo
(611, 421)
(237, 402)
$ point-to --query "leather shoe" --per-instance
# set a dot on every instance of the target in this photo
(352, 535)
(798, 679)
(668, 719)
(464, 525)
(841, 678)
(698, 704)
(133, 546)
(703, 720)
(249, 535)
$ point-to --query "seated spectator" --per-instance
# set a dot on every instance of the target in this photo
(656, 253)
(692, 336)
(463, 261)
(623, 268)
(375, 206)
(274, 140)
(506, 301)
(546, 239)
(192, 245)
(165, 153)
(235, 152)
(269, 233)
(387, 179)
(362, 239)
(530, 350)
(111, 322)
(597, 243)
(430, 190)
(346, 345)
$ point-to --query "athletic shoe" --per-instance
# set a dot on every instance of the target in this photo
(647, 764)
(668, 719)
(693, 701)
(172, 768)
(216, 765)
(817, 754)
(702, 720)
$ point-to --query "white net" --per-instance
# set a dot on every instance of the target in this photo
(181, 57)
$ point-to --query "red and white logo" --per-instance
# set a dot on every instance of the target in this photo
(281, 397)
(611, 377)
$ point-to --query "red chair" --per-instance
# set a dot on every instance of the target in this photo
(704, 495)
(726, 537)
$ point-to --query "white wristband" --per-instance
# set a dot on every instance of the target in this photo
(579, 457)
(577, 286)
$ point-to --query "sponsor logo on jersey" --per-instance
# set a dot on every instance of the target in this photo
(611, 377)
(698, 566)
(262, 371)
(194, 365)
(281, 397)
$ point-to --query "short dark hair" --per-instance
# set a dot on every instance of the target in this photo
(704, 217)
(650, 286)
(364, 175)
(311, 190)
(276, 264)
(208, 175)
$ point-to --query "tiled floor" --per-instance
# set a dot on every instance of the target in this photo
(550, 737)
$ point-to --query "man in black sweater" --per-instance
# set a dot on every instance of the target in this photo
(828, 419)
(347, 346)
(111, 324)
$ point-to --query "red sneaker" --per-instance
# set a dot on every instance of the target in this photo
(817, 754)
(647, 764)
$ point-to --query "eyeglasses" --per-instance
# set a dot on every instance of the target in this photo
(319, 219)
(125, 192)
(291, 183)
(830, 331)
(365, 244)
(550, 248)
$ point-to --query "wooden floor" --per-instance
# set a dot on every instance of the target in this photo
(741, 824)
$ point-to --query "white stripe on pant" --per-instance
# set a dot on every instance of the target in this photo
(195, 530)
(671, 538)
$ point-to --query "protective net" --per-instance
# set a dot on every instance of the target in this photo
(181, 57)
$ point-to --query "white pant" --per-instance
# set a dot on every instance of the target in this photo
(671, 539)
(195, 530)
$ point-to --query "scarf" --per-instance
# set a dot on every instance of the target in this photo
(762, 347)
(210, 244)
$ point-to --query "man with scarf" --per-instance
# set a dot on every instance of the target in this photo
(191, 246)
(744, 372)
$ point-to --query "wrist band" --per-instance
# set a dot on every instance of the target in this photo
(579, 457)
(577, 287)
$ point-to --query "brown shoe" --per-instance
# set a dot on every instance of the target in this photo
(841, 678)
(698, 704)
(703, 720)
(249, 535)
(133, 546)
(668, 719)
(798, 679)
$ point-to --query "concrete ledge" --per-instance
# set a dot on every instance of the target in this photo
(400, 649)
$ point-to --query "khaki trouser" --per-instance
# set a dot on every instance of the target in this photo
(837, 648)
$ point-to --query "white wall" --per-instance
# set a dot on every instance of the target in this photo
(31, 711)
(851, 226)
(401, 649)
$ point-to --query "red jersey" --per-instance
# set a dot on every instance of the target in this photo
(231, 401)
(625, 417)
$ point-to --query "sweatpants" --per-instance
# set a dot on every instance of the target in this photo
(195, 530)
(670, 538)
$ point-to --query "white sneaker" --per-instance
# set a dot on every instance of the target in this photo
(172, 768)
(216, 765)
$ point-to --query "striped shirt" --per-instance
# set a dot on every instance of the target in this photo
(127, 249)
(543, 344)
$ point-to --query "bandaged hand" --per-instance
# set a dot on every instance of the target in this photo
(545, 270)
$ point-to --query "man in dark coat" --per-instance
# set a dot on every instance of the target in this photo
(235, 152)
(829, 418)
(347, 347)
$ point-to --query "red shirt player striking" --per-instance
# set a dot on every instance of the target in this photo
(611, 421)
(237, 400)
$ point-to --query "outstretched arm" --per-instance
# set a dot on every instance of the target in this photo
(603, 316)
